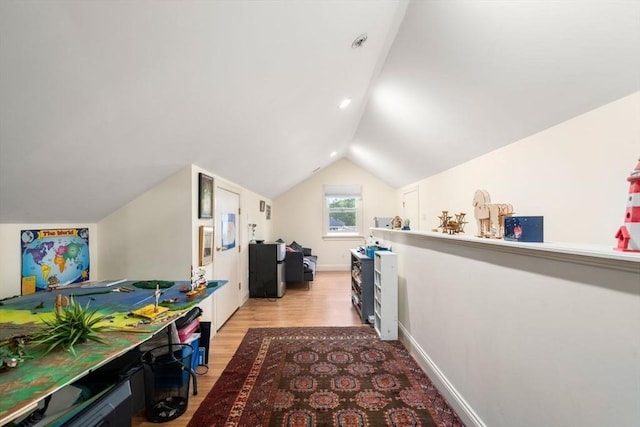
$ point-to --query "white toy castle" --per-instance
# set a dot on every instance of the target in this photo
(628, 235)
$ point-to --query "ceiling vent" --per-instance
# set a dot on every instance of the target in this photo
(359, 41)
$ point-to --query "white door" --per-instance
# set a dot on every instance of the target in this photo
(411, 207)
(227, 256)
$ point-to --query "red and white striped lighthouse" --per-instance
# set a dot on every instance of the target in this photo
(628, 235)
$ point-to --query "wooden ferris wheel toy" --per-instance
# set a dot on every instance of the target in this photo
(451, 225)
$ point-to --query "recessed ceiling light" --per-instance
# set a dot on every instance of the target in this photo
(333, 153)
(345, 103)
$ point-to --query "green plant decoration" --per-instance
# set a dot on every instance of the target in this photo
(13, 351)
(74, 324)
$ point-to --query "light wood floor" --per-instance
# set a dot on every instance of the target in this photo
(326, 303)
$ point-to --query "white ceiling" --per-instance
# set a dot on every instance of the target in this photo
(100, 101)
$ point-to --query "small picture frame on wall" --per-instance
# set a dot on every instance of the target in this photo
(206, 245)
(205, 196)
(262, 204)
(268, 209)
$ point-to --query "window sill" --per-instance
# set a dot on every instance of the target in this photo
(347, 237)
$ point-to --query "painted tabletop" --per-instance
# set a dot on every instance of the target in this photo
(39, 376)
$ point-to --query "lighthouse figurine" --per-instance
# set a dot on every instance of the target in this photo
(628, 235)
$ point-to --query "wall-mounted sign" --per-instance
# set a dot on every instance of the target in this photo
(53, 258)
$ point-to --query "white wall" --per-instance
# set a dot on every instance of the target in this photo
(249, 214)
(151, 237)
(574, 174)
(527, 342)
(197, 222)
(518, 340)
(250, 207)
(11, 258)
(297, 214)
(156, 236)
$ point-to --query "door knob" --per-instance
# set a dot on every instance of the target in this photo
(218, 248)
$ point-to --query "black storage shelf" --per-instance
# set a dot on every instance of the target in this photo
(362, 284)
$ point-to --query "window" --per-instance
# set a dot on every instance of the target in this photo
(342, 211)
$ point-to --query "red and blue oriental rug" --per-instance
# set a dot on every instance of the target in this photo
(322, 377)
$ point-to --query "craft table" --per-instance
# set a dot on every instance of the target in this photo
(39, 376)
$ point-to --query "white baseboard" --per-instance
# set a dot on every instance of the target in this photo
(333, 267)
(446, 389)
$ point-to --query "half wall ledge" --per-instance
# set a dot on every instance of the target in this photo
(593, 255)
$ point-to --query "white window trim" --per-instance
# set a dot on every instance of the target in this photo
(342, 190)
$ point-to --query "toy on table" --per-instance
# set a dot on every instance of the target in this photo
(157, 294)
(60, 303)
(53, 283)
(198, 284)
(150, 311)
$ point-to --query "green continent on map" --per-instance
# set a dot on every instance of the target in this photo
(73, 250)
(63, 253)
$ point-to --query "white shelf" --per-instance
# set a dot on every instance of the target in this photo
(385, 282)
(598, 256)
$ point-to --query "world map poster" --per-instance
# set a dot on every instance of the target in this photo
(53, 258)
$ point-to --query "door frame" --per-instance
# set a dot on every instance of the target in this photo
(415, 222)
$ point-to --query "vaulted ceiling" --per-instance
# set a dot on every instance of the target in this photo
(100, 101)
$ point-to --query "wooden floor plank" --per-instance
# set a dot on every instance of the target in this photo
(327, 302)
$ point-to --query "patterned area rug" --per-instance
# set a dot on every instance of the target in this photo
(322, 377)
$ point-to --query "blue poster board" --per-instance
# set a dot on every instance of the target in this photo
(228, 236)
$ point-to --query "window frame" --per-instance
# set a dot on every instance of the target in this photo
(342, 191)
